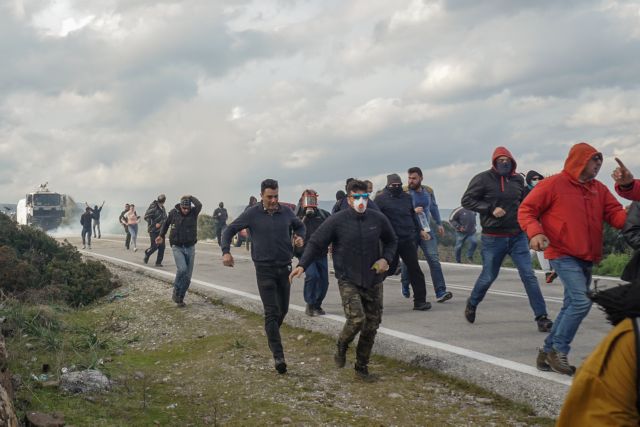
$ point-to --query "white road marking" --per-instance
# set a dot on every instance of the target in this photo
(486, 358)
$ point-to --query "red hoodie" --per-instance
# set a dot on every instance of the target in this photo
(570, 213)
(632, 193)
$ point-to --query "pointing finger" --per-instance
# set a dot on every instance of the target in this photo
(622, 166)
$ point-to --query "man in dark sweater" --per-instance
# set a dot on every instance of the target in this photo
(316, 278)
(182, 224)
(155, 216)
(85, 221)
(271, 226)
(220, 216)
(360, 265)
(464, 222)
(496, 195)
(123, 221)
(397, 206)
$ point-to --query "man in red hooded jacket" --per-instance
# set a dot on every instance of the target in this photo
(496, 195)
(564, 218)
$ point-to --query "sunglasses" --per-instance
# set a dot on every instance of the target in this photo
(597, 157)
(360, 195)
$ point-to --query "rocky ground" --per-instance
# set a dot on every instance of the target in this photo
(208, 364)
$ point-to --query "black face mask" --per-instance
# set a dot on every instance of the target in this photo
(396, 191)
(504, 169)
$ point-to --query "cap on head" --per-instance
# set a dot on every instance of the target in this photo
(394, 178)
(185, 202)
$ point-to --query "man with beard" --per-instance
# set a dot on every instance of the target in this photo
(564, 217)
(271, 226)
(155, 216)
(397, 206)
(363, 245)
(424, 203)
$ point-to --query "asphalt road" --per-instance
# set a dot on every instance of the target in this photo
(504, 337)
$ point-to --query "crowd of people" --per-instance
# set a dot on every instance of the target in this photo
(559, 219)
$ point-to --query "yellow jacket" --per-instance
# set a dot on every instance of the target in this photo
(604, 390)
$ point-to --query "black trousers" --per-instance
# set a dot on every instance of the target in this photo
(274, 289)
(408, 251)
(155, 247)
(127, 241)
(219, 229)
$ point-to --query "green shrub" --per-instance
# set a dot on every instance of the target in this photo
(37, 267)
(206, 229)
(612, 265)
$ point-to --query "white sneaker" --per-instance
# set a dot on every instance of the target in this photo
(135, 249)
(84, 247)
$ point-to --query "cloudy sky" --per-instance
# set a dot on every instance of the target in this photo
(123, 99)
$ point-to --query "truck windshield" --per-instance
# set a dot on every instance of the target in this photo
(46, 200)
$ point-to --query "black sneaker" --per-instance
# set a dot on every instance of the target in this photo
(318, 311)
(544, 323)
(422, 306)
(174, 296)
(470, 312)
(309, 310)
(559, 363)
(362, 373)
(159, 265)
(146, 258)
(280, 365)
(541, 361)
(340, 356)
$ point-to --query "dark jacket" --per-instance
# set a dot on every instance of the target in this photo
(463, 220)
(400, 212)
(311, 224)
(343, 204)
(95, 213)
(155, 214)
(184, 228)
(270, 234)
(631, 233)
(356, 245)
(488, 190)
(85, 220)
(220, 216)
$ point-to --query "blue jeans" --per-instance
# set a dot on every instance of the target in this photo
(460, 239)
(430, 251)
(316, 282)
(133, 230)
(494, 250)
(185, 257)
(575, 275)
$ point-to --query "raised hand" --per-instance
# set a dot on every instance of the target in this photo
(621, 175)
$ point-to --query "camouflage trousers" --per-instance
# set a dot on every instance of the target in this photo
(363, 311)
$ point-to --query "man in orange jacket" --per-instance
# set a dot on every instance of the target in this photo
(564, 218)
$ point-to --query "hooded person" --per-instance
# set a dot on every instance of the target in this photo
(564, 216)
(496, 195)
(316, 278)
(397, 206)
(531, 180)
(605, 390)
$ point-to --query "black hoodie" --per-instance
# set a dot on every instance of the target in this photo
(184, 228)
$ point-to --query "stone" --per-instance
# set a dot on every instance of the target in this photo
(39, 419)
(88, 381)
(7, 413)
(395, 395)
(286, 420)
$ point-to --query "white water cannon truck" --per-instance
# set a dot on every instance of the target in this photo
(42, 209)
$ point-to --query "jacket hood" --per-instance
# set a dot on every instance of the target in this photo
(532, 174)
(502, 151)
(578, 157)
